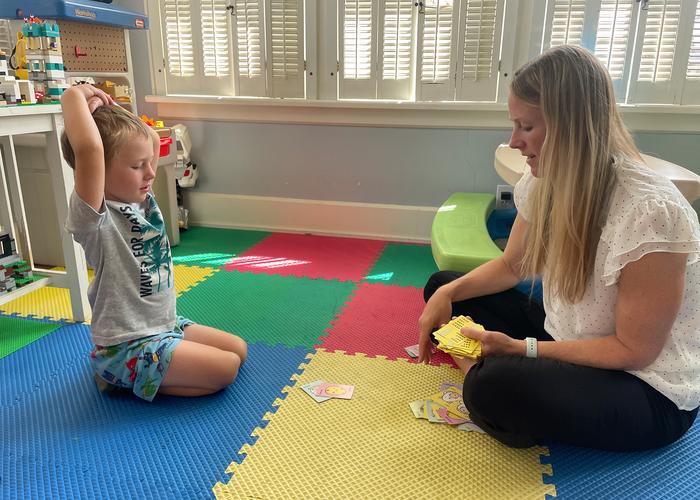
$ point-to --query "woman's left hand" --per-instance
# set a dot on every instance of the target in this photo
(495, 343)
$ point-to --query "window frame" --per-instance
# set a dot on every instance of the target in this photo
(322, 82)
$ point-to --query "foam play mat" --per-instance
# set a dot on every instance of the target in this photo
(314, 310)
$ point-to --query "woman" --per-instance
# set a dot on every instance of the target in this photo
(612, 359)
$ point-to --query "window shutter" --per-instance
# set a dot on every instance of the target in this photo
(396, 42)
(691, 88)
(437, 44)
(614, 40)
(179, 49)
(285, 25)
(693, 71)
(566, 24)
(481, 22)
(7, 40)
(358, 48)
(215, 38)
(249, 47)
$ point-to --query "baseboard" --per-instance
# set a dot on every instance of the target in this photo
(365, 220)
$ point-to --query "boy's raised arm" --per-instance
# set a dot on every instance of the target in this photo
(77, 104)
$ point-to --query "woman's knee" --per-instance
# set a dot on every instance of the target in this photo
(436, 281)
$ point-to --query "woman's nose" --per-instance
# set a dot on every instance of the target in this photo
(515, 141)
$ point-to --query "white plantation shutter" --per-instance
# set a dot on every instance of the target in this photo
(249, 47)
(358, 42)
(215, 38)
(664, 40)
(285, 27)
(693, 70)
(179, 47)
(395, 43)
(196, 49)
(565, 23)
(691, 88)
(437, 50)
(614, 40)
(7, 38)
(481, 22)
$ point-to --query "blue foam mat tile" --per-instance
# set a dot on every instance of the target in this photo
(60, 438)
(670, 472)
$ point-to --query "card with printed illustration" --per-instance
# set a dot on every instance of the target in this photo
(332, 390)
(310, 388)
(451, 400)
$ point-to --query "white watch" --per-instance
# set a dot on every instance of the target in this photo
(530, 347)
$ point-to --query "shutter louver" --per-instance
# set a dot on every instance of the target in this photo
(285, 25)
(437, 34)
(178, 33)
(6, 38)
(479, 39)
(397, 39)
(658, 47)
(567, 22)
(357, 40)
(286, 46)
(215, 38)
(693, 71)
(612, 37)
(249, 38)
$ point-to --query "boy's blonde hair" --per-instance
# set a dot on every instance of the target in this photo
(585, 137)
(115, 125)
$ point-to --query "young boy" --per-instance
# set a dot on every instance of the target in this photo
(140, 342)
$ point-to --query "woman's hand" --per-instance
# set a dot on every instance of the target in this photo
(437, 312)
(495, 343)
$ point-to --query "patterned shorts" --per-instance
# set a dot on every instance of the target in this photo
(140, 364)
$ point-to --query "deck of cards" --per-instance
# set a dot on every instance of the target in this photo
(453, 342)
(445, 407)
(321, 390)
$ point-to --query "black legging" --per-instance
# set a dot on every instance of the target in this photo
(524, 401)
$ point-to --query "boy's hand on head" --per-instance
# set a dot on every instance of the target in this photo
(92, 95)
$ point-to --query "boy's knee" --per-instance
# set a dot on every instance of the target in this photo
(229, 364)
(243, 351)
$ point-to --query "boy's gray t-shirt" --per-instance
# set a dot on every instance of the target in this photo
(133, 293)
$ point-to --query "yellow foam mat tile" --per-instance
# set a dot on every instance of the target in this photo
(187, 277)
(371, 446)
(47, 302)
(54, 303)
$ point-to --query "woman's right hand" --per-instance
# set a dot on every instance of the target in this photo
(437, 312)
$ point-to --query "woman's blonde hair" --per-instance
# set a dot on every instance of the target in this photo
(585, 137)
(115, 125)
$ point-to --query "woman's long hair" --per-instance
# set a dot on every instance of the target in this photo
(585, 137)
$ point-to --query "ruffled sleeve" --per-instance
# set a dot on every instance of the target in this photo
(521, 194)
(650, 225)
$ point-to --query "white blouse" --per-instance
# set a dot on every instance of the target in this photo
(647, 214)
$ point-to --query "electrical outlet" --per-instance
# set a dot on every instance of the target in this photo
(504, 196)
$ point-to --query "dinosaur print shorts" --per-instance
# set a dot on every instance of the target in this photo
(140, 364)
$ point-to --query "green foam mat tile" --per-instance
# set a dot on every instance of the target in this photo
(212, 247)
(16, 333)
(403, 264)
(272, 309)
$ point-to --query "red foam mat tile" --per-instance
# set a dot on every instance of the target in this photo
(380, 320)
(310, 256)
